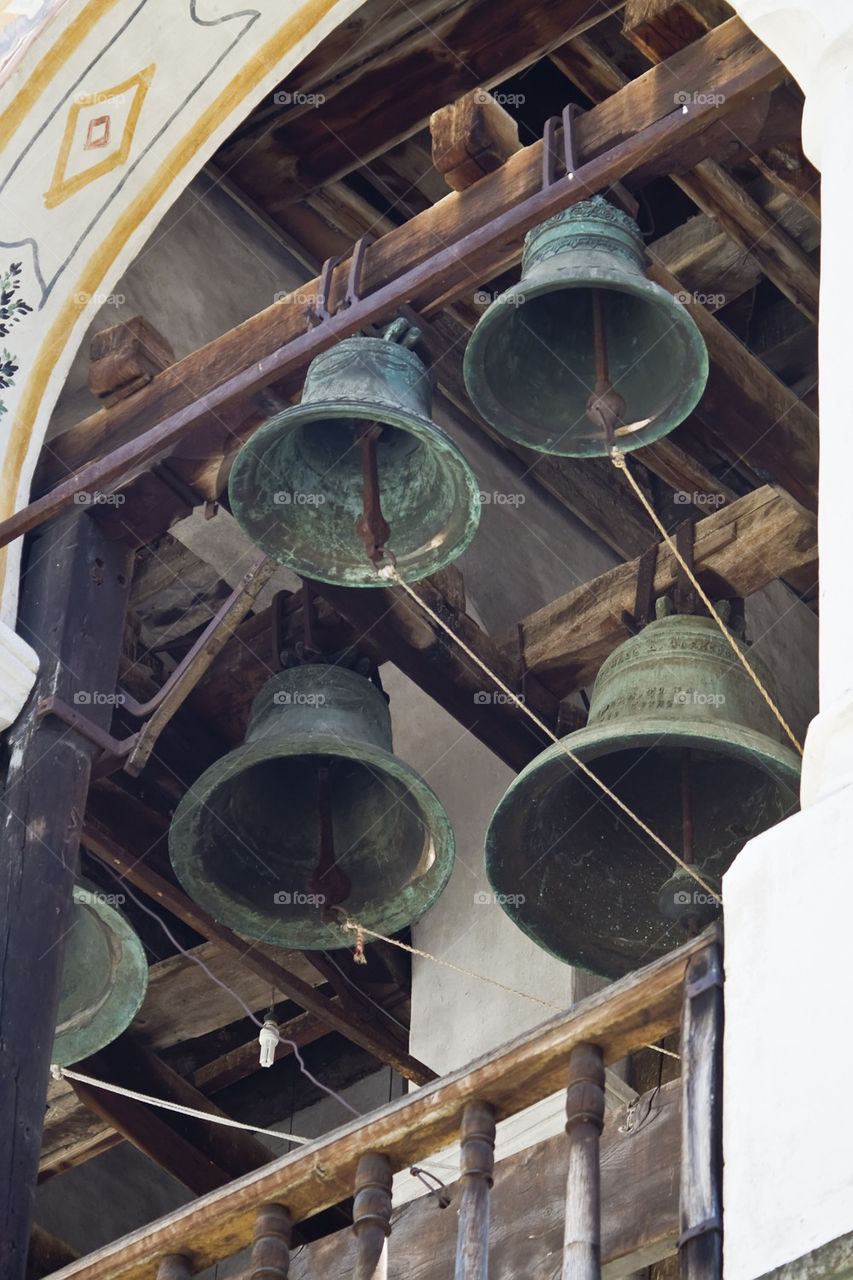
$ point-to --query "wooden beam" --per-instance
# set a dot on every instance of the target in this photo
(408, 638)
(361, 114)
(713, 190)
(73, 597)
(201, 1156)
(373, 1037)
(126, 357)
(743, 68)
(47, 1254)
(636, 1010)
(701, 1189)
(739, 384)
(471, 137)
(738, 550)
(238, 1063)
(181, 1004)
(750, 411)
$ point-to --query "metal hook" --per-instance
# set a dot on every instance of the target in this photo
(440, 1191)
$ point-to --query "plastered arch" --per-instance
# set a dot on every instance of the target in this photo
(108, 108)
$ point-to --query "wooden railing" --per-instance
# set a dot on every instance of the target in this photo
(683, 989)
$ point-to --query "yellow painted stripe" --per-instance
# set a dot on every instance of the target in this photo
(179, 159)
(58, 54)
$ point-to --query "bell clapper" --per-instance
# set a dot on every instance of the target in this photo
(371, 526)
(329, 881)
(605, 407)
(679, 899)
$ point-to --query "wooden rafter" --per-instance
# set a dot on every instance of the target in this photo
(744, 68)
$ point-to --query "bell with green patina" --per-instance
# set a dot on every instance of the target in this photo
(104, 979)
(572, 870)
(532, 364)
(311, 813)
(297, 485)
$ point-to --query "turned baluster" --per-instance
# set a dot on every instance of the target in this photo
(271, 1238)
(584, 1122)
(478, 1167)
(371, 1216)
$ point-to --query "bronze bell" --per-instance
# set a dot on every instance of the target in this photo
(359, 464)
(104, 978)
(678, 730)
(312, 813)
(585, 351)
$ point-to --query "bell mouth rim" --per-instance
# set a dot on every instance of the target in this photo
(590, 952)
(246, 463)
(777, 760)
(190, 868)
(694, 349)
(73, 1046)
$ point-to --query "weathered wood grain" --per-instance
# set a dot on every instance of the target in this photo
(638, 1009)
(737, 550)
(584, 1122)
(743, 68)
(701, 1194)
(639, 1201)
(477, 1155)
(371, 1216)
(73, 597)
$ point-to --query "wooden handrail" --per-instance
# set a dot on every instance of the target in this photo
(642, 1007)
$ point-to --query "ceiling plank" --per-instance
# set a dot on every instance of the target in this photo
(356, 117)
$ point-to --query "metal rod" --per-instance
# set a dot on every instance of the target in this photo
(601, 374)
(187, 674)
(478, 1167)
(327, 879)
(439, 272)
(371, 1216)
(686, 807)
(371, 526)
(605, 407)
(585, 1120)
(211, 640)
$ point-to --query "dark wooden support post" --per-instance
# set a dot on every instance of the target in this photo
(478, 1167)
(72, 612)
(371, 1216)
(585, 1120)
(700, 1209)
(271, 1239)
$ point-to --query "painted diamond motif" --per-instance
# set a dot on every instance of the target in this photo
(98, 135)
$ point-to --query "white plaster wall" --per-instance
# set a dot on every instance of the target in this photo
(788, 1125)
(788, 1132)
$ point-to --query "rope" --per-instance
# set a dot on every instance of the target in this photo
(63, 1073)
(360, 930)
(389, 572)
(621, 463)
